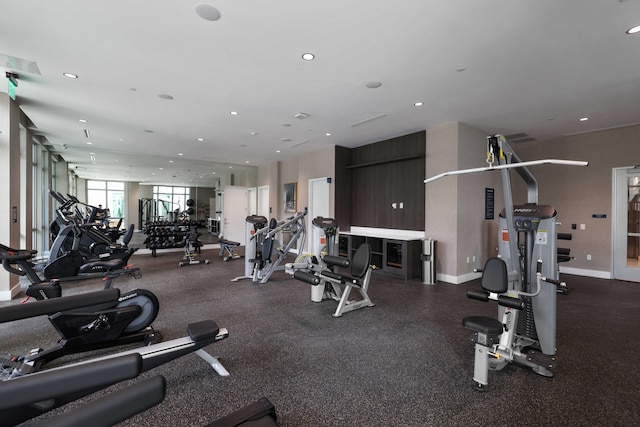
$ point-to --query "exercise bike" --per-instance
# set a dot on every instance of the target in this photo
(18, 261)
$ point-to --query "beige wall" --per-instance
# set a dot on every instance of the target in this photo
(579, 192)
(298, 169)
(10, 117)
(454, 205)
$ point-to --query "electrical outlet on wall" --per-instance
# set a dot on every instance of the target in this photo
(588, 257)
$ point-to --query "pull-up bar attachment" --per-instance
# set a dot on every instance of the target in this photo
(510, 166)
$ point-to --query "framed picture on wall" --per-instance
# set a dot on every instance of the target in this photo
(290, 195)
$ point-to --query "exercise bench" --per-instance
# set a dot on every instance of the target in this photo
(360, 274)
(227, 249)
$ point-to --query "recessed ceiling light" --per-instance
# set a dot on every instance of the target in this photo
(584, 119)
(634, 30)
(180, 154)
(308, 56)
(418, 104)
(200, 139)
(328, 134)
(82, 120)
(208, 12)
(277, 151)
(89, 143)
(70, 75)
(246, 161)
(234, 113)
(170, 161)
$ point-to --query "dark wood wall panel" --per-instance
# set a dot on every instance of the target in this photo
(342, 187)
(381, 174)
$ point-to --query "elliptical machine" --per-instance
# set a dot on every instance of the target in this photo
(72, 264)
(72, 230)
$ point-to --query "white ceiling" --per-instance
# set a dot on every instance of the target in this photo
(503, 66)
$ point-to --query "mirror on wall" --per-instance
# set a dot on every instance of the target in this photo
(290, 195)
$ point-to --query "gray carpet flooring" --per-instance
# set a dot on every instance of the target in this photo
(405, 362)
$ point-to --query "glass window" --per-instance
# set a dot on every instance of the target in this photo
(108, 194)
(169, 200)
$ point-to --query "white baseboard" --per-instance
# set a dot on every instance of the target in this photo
(148, 251)
(588, 273)
(456, 280)
(11, 293)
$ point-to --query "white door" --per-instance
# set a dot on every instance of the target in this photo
(318, 200)
(263, 201)
(253, 201)
(626, 224)
(234, 212)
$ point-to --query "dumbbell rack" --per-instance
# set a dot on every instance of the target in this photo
(166, 234)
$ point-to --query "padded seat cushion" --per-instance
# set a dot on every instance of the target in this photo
(484, 325)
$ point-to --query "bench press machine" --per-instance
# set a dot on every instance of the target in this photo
(261, 241)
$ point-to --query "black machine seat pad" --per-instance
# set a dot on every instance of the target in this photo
(111, 264)
(202, 330)
(126, 238)
(484, 325)
(494, 276)
(361, 260)
(228, 242)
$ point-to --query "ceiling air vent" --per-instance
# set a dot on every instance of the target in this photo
(518, 138)
(367, 120)
(300, 115)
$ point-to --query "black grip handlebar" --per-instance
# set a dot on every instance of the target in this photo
(510, 302)
(479, 295)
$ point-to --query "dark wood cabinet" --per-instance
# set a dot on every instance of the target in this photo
(391, 257)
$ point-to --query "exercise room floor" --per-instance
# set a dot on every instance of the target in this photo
(405, 362)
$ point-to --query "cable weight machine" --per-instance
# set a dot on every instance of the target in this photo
(527, 248)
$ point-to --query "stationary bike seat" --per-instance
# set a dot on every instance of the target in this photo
(111, 264)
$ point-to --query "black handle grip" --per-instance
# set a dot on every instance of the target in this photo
(479, 295)
(510, 302)
(336, 260)
(306, 277)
